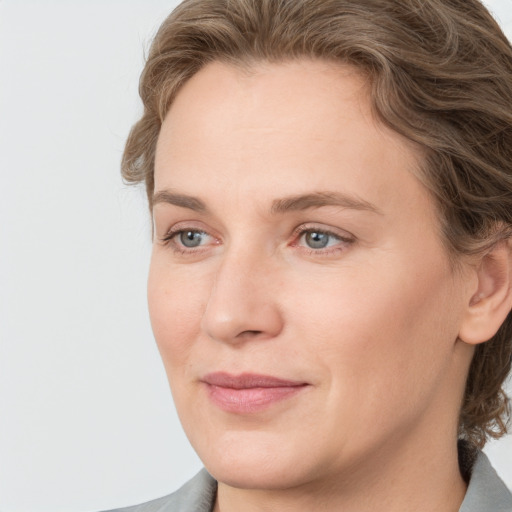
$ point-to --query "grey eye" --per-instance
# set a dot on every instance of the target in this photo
(316, 240)
(191, 238)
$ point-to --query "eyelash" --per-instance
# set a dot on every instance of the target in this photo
(169, 241)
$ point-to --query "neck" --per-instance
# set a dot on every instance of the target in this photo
(417, 477)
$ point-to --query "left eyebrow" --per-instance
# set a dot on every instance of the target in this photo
(319, 199)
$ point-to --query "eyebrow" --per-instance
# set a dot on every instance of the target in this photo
(279, 206)
(181, 200)
(319, 199)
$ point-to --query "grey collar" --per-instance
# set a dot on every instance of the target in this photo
(486, 491)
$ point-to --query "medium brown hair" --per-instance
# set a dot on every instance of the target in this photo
(440, 74)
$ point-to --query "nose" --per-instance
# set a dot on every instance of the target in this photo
(243, 304)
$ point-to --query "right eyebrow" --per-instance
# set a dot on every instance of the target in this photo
(181, 200)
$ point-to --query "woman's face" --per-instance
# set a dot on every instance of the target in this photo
(299, 292)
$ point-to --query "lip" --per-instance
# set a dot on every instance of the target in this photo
(249, 392)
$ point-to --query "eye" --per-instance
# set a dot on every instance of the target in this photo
(187, 240)
(191, 238)
(321, 242)
(318, 239)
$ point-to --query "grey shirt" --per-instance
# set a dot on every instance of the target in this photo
(486, 493)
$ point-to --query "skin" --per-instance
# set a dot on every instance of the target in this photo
(369, 323)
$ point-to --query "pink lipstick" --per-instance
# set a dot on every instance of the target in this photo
(249, 393)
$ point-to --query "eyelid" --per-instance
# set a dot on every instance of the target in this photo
(185, 225)
(171, 234)
(341, 235)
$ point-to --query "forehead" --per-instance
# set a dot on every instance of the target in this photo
(297, 125)
(301, 99)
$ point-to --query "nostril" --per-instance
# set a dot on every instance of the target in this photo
(248, 334)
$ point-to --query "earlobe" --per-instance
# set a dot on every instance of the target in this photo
(490, 304)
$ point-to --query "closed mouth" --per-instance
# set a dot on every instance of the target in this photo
(249, 392)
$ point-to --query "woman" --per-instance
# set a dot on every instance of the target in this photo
(331, 280)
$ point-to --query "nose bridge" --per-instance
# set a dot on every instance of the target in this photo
(242, 304)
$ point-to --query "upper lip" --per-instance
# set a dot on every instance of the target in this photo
(248, 380)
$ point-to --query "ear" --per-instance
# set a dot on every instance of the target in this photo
(490, 304)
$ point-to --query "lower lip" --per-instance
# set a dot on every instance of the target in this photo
(250, 400)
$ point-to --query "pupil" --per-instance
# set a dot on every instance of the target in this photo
(190, 238)
(317, 240)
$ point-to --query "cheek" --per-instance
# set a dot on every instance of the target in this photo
(175, 308)
(381, 327)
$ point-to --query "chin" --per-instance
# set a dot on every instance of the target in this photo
(255, 460)
(256, 474)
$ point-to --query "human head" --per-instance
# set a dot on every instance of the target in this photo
(440, 73)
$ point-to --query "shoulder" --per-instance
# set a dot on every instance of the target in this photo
(486, 491)
(197, 495)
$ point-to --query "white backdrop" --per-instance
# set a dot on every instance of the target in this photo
(86, 421)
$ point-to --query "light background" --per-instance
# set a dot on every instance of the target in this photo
(86, 421)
